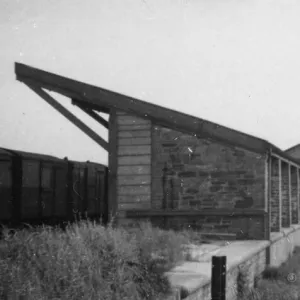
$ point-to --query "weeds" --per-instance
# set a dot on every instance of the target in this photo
(88, 261)
(276, 283)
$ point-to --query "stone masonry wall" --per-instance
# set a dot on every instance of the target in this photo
(189, 172)
(252, 227)
(197, 174)
(275, 195)
(134, 162)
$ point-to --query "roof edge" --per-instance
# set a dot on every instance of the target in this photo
(159, 115)
(293, 147)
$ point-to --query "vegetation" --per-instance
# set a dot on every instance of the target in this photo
(89, 261)
(282, 283)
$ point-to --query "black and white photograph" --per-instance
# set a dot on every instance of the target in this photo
(149, 149)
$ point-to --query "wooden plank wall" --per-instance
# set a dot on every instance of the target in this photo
(134, 162)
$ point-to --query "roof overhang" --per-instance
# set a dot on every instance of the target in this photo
(89, 97)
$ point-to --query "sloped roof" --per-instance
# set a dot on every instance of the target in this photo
(103, 100)
(292, 148)
(292, 152)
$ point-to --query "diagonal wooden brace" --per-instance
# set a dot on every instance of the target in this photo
(91, 113)
(67, 114)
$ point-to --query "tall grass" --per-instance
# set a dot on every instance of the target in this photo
(89, 261)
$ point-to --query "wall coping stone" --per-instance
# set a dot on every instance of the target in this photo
(275, 236)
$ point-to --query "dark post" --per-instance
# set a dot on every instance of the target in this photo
(218, 278)
(86, 198)
(17, 188)
(104, 196)
(54, 191)
(70, 195)
(41, 202)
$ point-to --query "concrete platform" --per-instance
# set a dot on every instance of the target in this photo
(190, 275)
(247, 257)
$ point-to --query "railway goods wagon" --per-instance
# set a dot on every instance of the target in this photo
(88, 190)
(42, 188)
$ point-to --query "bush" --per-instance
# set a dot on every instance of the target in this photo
(88, 261)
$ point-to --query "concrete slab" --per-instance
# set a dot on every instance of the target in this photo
(239, 251)
(191, 275)
(188, 281)
(202, 252)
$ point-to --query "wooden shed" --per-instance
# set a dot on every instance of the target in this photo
(179, 170)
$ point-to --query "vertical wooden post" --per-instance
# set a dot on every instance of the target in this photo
(218, 278)
(17, 188)
(86, 190)
(104, 197)
(298, 195)
(290, 193)
(268, 191)
(70, 191)
(54, 192)
(268, 206)
(41, 204)
(280, 193)
(112, 167)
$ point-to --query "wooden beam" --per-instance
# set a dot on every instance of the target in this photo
(268, 190)
(288, 161)
(206, 212)
(298, 194)
(96, 117)
(290, 192)
(100, 98)
(92, 114)
(90, 106)
(72, 118)
(280, 193)
(159, 115)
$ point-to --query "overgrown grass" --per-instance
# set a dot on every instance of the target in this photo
(89, 261)
(282, 283)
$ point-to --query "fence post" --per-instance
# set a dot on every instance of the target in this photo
(218, 278)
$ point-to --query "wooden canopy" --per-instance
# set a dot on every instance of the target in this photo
(91, 98)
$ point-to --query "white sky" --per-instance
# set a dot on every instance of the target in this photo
(235, 62)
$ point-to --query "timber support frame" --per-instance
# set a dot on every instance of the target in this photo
(67, 114)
